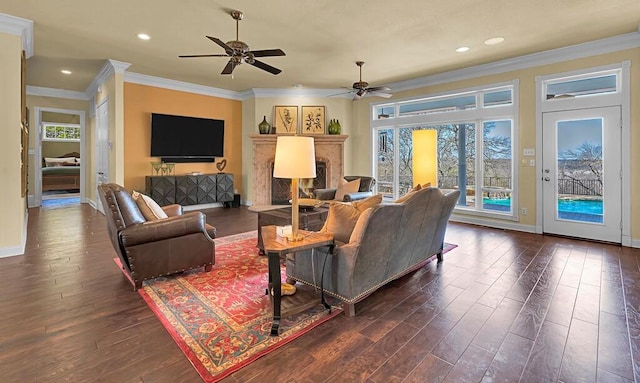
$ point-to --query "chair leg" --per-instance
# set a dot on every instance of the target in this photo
(208, 268)
(349, 309)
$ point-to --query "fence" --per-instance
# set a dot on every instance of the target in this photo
(579, 187)
(585, 187)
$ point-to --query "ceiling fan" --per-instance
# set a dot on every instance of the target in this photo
(361, 88)
(238, 52)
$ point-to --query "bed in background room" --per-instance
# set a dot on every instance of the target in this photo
(61, 173)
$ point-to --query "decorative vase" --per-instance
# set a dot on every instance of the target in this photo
(264, 127)
(334, 127)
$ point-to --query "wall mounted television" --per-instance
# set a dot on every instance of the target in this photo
(186, 139)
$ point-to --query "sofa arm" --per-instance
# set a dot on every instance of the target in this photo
(357, 196)
(172, 210)
(325, 194)
(172, 227)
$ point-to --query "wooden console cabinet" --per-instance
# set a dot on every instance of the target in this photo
(190, 189)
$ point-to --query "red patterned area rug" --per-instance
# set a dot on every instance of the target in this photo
(221, 320)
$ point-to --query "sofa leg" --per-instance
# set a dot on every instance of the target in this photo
(137, 285)
(349, 309)
(439, 255)
(208, 268)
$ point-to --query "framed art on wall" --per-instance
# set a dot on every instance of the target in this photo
(285, 119)
(313, 120)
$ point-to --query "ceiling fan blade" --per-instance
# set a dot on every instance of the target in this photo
(268, 52)
(231, 65)
(340, 94)
(379, 89)
(184, 56)
(267, 67)
(380, 94)
(224, 46)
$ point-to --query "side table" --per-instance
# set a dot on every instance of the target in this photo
(312, 220)
(277, 247)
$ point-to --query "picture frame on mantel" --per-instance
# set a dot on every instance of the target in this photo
(313, 120)
(285, 119)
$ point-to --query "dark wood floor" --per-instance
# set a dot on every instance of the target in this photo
(503, 307)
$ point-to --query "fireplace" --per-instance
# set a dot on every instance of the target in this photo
(329, 151)
(281, 187)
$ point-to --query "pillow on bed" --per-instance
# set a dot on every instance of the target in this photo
(52, 161)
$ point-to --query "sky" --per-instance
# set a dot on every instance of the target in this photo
(573, 133)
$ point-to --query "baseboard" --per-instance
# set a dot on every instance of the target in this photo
(632, 243)
(202, 206)
(506, 225)
(91, 203)
(31, 200)
(11, 251)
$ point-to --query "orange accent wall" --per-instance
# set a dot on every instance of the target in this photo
(141, 100)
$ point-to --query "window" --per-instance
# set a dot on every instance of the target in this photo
(475, 147)
(60, 132)
(580, 86)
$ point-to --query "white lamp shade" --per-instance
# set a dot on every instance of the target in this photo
(295, 157)
(425, 157)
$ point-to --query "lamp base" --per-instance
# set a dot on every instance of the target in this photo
(295, 237)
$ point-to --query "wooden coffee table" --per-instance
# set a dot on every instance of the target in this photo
(277, 247)
(312, 220)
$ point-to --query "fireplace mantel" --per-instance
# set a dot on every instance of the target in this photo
(329, 149)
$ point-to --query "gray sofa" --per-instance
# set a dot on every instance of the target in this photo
(364, 191)
(388, 242)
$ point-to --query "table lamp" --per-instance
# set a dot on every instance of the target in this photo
(295, 158)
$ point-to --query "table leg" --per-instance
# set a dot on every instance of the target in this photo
(275, 286)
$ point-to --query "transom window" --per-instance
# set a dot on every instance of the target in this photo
(580, 86)
(475, 138)
(60, 132)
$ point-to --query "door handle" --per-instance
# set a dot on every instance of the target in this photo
(547, 179)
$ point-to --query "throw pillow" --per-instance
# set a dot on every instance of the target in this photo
(148, 207)
(341, 220)
(358, 230)
(346, 188)
(366, 203)
(409, 194)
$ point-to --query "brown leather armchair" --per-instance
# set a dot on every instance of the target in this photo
(149, 249)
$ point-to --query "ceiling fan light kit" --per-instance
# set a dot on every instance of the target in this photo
(361, 88)
(239, 52)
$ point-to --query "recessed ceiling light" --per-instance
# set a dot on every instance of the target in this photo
(65, 71)
(494, 41)
(462, 49)
(143, 36)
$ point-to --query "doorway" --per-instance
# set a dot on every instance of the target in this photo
(581, 173)
(59, 149)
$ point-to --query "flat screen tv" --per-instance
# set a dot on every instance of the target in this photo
(186, 139)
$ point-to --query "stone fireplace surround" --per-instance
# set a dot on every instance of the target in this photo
(329, 149)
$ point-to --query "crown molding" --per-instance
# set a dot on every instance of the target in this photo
(300, 92)
(18, 26)
(109, 68)
(160, 82)
(57, 93)
(572, 52)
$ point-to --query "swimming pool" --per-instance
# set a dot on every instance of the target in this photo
(573, 209)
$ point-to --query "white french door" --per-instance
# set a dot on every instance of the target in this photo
(581, 173)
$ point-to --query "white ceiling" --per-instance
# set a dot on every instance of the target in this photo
(398, 40)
